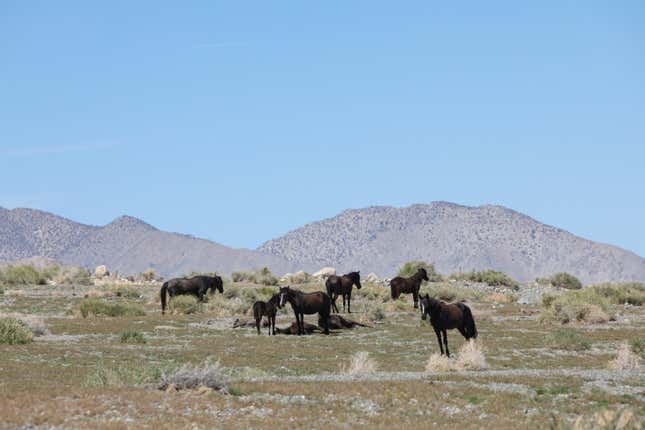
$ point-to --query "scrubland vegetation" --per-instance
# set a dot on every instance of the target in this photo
(104, 357)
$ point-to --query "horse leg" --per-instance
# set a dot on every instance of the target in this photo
(349, 302)
(463, 332)
(438, 333)
(257, 324)
(334, 296)
(272, 325)
(344, 300)
(445, 341)
(415, 297)
(302, 323)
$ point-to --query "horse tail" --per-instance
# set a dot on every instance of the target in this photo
(469, 323)
(394, 290)
(162, 293)
(257, 312)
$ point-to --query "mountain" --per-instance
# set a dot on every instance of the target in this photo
(456, 238)
(127, 245)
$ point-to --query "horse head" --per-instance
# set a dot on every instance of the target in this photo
(424, 301)
(356, 279)
(217, 284)
(285, 293)
(423, 273)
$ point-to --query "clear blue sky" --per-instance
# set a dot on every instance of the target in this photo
(239, 121)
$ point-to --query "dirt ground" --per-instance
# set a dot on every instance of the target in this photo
(80, 374)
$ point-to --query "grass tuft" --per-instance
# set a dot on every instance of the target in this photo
(94, 307)
(568, 339)
(14, 332)
(188, 377)
(185, 305)
(625, 359)
(132, 336)
(469, 357)
(360, 364)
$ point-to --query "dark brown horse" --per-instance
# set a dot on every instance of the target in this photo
(306, 303)
(409, 285)
(267, 309)
(342, 285)
(197, 286)
(336, 322)
(445, 316)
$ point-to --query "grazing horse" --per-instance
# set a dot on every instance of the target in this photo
(197, 286)
(444, 316)
(409, 285)
(337, 285)
(307, 303)
(266, 309)
(336, 322)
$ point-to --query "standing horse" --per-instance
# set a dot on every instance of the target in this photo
(307, 303)
(197, 286)
(444, 316)
(267, 309)
(342, 285)
(409, 285)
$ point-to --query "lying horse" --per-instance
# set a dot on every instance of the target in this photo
(409, 285)
(248, 323)
(342, 285)
(444, 316)
(336, 322)
(197, 286)
(293, 329)
(266, 309)
(306, 303)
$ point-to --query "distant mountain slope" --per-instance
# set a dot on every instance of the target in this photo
(127, 245)
(455, 238)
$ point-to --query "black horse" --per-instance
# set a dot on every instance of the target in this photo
(336, 322)
(197, 286)
(409, 285)
(307, 303)
(267, 309)
(342, 285)
(445, 316)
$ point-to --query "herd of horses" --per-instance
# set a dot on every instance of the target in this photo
(443, 316)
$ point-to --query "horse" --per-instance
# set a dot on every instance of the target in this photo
(409, 285)
(445, 316)
(267, 309)
(342, 285)
(337, 322)
(295, 327)
(307, 303)
(197, 286)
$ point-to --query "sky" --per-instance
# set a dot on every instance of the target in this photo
(240, 121)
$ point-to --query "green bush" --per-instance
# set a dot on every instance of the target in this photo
(637, 345)
(95, 307)
(127, 292)
(132, 336)
(565, 280)
(568, 339)
(14, 331)
(185, 305)
(411, 267)
(23, 275)
(262, 276)
(489, 277)
(378, 314)
(621, 293)
(121, 376)
(74, 276)
(575, 306)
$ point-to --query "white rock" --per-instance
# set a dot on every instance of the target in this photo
(101, 271)
(325, 272)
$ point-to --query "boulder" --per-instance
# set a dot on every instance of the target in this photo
(325, 273)
(372, 278)
(101, 271)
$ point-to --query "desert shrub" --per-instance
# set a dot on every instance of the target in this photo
(565, 280)
(262, 276)
(575, 306)
(378, 314)
(451, 293)
(13, 331)
(34, 322)
(73, 276)
(188, 377)
(411, 267)
(632, 293)
(605, 419)
(132, 336)
(23, 275)
(490, 277)
(95, 307)
(120, 376)
(568, 339)
(148, 275)
(360, 364)
(126, 292)
(625, 359)
(638, 346)
(469, 357)
(186, 304)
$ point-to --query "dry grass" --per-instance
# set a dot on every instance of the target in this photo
(360, 364)
(621, 419)
(469, 357)
(625, 359)
(500, 298)
(14, 332)
(188, 376)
